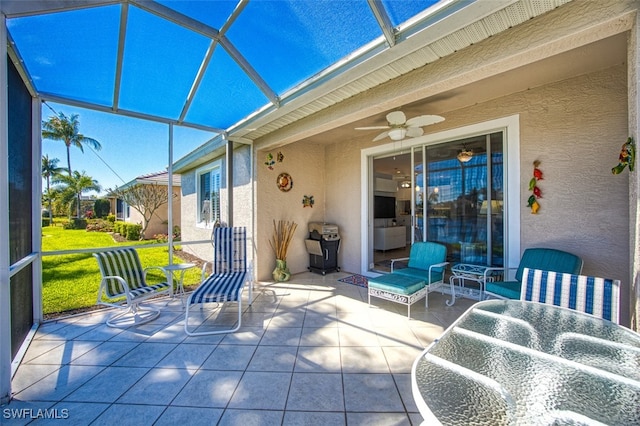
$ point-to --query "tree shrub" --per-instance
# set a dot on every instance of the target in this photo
(133, 231)
(99, 225)
(111, 218)
(75, 223)
(101, 207)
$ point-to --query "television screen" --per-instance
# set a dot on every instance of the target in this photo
(384, 207)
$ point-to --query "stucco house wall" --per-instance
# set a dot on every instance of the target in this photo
(159, 221)
(575, 128)
(242, 199)
(573, 125)
(305, 163)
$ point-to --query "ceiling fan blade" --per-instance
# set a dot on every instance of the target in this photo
(381, 136)
(396, 117)
(424, 120)
(414, 132)
(372, 128)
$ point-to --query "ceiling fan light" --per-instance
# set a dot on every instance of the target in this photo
(397, 134)
(405, 184)
(465, 155)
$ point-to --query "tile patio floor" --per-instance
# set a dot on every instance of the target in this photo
(310, 351)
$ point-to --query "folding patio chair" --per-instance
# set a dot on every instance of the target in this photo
(228, 277)
(124, 277)
(596, 296)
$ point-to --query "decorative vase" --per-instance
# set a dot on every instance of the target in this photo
(281, 273)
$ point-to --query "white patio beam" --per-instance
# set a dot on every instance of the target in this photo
(122, 33)
(248, 69)
(133, 114)
(5, 289)
(196, 82)
(383, 21)
(234, 15)
(22, 8)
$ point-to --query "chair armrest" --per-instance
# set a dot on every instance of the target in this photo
(436, 265)
(124, 286)
(490, 269)
(398, 259)
(153, 268)
(203, 273)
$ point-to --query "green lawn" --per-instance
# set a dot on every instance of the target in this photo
(71, 282)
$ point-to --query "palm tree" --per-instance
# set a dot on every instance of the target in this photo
(75, 185)
(50, 169)
(66, 129)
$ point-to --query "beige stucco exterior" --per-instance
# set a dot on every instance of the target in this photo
(159, 221)
(573, 120)
(242, 200)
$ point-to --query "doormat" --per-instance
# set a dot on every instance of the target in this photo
(359, 280)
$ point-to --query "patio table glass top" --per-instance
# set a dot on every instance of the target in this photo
(515, 362)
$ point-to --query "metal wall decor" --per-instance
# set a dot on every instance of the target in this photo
(284, 182)
(533, 187)
(626, 158)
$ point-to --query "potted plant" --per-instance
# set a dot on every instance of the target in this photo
(282, 233)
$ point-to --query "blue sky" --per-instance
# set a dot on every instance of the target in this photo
(74, 55)
(131, 147)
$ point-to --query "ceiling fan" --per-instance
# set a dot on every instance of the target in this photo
(399, 127)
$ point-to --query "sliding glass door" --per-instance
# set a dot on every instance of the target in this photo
(459, 198)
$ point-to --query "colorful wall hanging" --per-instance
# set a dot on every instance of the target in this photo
(626, 158)
(307, 201)
(284, 182)
(533, 187)
(270, 162)
(280, 157)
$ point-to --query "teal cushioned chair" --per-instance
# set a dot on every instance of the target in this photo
(546, 259)
(424, 272)
(426, 261)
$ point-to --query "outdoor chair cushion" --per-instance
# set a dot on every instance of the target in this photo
(534, 258)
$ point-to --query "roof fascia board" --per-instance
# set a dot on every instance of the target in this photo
(201, 154)
(374, 56)
(22, 8)
(88, 105)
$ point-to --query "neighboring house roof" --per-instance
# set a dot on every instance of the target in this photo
(160, 178)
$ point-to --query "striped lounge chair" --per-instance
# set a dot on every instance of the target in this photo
(124, 277)
(227, 280)
(599, 297)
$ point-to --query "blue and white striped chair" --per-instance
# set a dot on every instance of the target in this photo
(124, 277)
(599, 297)
(228, 278)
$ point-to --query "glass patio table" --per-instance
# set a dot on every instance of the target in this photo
(510, 362)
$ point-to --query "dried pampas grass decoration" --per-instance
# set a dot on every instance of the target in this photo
(283, 231)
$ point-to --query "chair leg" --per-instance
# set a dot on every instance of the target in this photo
(205, 333)
(133, 316)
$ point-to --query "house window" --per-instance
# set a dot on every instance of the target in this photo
(209, 194)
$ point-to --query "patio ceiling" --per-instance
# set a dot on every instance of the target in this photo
(251, 67)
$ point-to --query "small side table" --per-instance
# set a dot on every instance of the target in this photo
(465, 271)
(169, 270)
